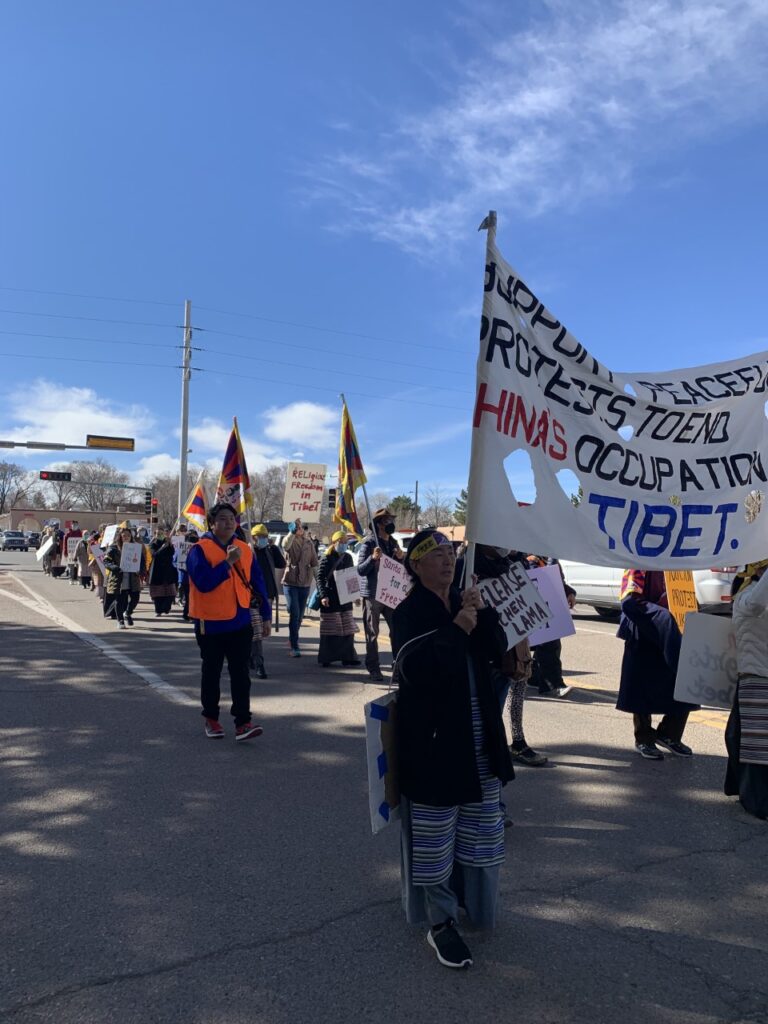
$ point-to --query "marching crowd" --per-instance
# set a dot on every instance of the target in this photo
(456, 679)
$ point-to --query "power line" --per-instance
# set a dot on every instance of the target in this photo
(98, 341)
(325, 369)
(77, 295)
(91, 319)
(96, 362)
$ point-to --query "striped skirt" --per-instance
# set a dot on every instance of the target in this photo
(753, 707)
(337, 623)
(470, 834)
(258, 632)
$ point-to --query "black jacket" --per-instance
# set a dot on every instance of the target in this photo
(326, 584)
(266, 560)
(436, 751)
(162, 571)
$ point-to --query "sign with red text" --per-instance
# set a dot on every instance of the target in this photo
(304, 487)
(670, 465)
(98, 557)
(131, 557)
(392, 582)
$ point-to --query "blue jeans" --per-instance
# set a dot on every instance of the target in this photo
(296, 602)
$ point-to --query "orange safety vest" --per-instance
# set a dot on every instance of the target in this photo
(221, 603)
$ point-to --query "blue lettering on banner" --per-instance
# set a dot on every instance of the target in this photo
(381, 762)
(380, 712)
(663, 530)
(384, 810)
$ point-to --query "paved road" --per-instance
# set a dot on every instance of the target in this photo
(150, 875)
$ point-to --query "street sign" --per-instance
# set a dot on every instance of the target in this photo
(123, 444)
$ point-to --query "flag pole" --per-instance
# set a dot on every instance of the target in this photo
(247, 487)
(489, 226)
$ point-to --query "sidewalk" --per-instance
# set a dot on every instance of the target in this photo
(151, 875)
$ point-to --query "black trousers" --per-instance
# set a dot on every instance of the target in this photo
(126, 603)
(547, 670)
(671, 727)
(236, 648)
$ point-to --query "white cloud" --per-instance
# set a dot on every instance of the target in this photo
(45, 411)
(208, 440)
(161, 464)
(307, 424)
(547, 117)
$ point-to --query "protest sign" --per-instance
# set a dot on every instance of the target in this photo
(43, 550)
(304, 486)
(182, 550)
(109, 535)
(392, 582)
(706, 671)
(72, 543)
(521, 609)
(681, 595)
(549, 584)
(131, 557)
(347, 584)
(383, 789)
(670, 464)
(98, 557)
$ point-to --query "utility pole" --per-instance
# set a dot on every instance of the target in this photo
(186, 374)
(416, 509)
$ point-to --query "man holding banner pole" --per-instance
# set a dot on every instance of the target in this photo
(379, 541)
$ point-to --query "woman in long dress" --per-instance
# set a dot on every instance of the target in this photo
(452, 749)
(337, 621)
(163, 575)
(746, 735)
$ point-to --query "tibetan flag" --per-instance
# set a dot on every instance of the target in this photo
(351, 476)
(234, 483)
(196, 509)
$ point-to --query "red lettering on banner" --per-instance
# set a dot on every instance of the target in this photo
(540, 429)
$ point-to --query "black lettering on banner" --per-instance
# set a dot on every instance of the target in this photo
(490, 277)
(497, 340)
(522, 289)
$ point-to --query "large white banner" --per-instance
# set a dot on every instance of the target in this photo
(670, 464)
(304, 486)
(707, 672)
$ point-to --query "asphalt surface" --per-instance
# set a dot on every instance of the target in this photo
(148, 874)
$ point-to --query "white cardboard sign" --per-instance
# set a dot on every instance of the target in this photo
(706, 672)
(182, 550)
(109, 535)
(98, 557)
(131, 557)
(549, 584)
(381, 749)
(392, 582)
(304, 486)
(521, 609)
(72, 543)
(347, 584)
(43, 550)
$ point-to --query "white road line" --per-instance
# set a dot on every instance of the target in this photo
(44, 607)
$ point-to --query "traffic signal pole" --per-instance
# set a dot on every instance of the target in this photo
(186, 373)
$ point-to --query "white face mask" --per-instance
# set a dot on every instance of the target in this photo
(341, 548)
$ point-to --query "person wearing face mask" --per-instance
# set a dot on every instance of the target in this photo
(377, 542)
(268, 558)
(301, 560)
(337, 622)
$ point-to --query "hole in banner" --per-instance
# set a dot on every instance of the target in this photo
(570, 485)
(630, 390)
(519, 472)
(627, 431)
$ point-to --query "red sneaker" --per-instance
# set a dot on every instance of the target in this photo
(213, 729)
(245, 732)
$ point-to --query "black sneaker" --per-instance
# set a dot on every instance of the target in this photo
(649, 751)
(376, 676)
(450, 948)
(527, 756)
(674, 747)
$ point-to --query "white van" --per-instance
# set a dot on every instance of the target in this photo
(599, 586)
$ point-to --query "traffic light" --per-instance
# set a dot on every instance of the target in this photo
(154, 510)
(331, 499)
(51, 474)
(148, 503)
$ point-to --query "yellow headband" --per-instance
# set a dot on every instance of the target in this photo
(430, 543)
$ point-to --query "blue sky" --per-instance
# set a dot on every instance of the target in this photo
(312, 178)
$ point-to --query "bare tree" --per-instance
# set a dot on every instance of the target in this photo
(267, 490)
(93, 488)
(62, 493)
(438, 506)
(15, 482)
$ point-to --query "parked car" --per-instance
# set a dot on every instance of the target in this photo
(599, 586)
(13, 540)
(33, 538)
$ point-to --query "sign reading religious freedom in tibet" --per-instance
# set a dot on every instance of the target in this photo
(671, 464)
(304, 485)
